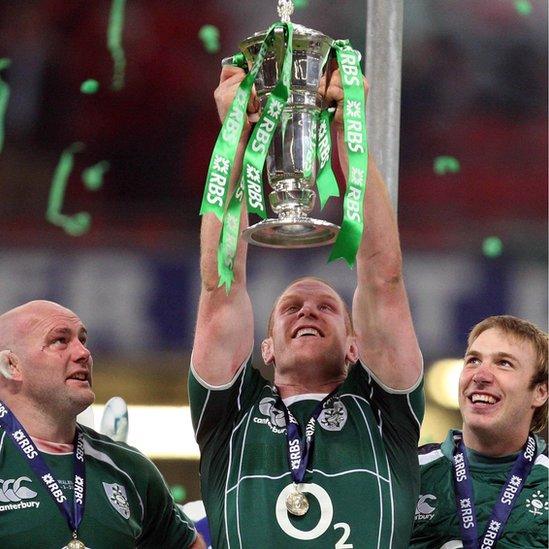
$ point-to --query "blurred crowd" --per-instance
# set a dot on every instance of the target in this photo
(474, 88)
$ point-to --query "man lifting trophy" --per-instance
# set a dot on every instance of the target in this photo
(326, 455)
(288, 65)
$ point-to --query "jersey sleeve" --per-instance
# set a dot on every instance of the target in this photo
(399, 413)
(215, 410)
(164, 523)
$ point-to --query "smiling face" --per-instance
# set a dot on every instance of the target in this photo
(496, 397)
(310, 327)
(55, 366)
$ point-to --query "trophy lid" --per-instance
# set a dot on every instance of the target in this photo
(302, 39)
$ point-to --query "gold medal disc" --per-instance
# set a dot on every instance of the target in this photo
(75, 544)
(297, 504)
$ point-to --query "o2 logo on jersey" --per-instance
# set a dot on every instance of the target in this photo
(324, 522)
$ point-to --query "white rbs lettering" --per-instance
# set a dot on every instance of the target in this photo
(230, 131)
(262, 137)
(353, 205)
(295, 453)
(461, 474)
(79, 489)
(216, 189)
(25, 444)
(530, 448)
(253, 183)
(54, 488)
(349, 69)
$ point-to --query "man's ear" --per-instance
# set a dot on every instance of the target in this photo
(352, 352)
(540, 394)
(9, 363)
(267, 351)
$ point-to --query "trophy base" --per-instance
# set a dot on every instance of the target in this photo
(295, 232)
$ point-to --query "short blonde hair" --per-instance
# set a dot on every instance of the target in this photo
(523, 331)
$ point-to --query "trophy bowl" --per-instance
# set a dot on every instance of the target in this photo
(291, 160)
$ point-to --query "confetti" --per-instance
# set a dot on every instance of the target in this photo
(114, 42)
(89, 86)
(523, 7)
(210, 38)
(445, 164)
(93, 176)
(178, 493)
(78, 223)
(492, 246)
(4, 97)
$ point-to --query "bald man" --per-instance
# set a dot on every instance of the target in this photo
(62, 484)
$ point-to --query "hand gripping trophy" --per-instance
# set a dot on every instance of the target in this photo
(286, 63)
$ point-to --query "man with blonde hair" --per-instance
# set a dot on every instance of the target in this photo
(327, 455)
(487, 484)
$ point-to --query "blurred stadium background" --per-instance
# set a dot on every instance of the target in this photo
(474, 230)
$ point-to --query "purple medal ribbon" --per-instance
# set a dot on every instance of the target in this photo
(28, 450)
(299, 445)
(463, 490)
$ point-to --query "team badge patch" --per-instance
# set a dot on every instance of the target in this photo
(276, 416)
(116, 494)
(333, 417)
(536, 504)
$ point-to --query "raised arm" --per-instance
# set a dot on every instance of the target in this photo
(381, 313)
(224, 328)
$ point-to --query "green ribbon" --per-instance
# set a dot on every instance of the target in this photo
(4, 97)
(355, 136)
(326, 182)
(222, 160)
(250, 183)
(264, 130)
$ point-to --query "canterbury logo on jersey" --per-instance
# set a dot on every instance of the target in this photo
(275, 418)
(424, 510)
(13, 493)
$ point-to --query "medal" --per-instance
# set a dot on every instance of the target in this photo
(75, 544)
(296, 503)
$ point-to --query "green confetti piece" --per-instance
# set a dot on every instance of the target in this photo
(492, 247)
(300, 4)
(76, 224)
(178, 492)
(89, 86)
(93, 176)
(114, 43)
(210, 38)
(445, 164)
(523, 7)
(4, 98)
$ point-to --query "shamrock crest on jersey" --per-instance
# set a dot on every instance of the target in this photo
(535, 503)
(118, 498)
(334, 416)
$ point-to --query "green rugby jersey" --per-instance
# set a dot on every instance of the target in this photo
(436, 519)
(127, 502)
(362, 478)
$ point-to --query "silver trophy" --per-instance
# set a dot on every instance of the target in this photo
(291, 160)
